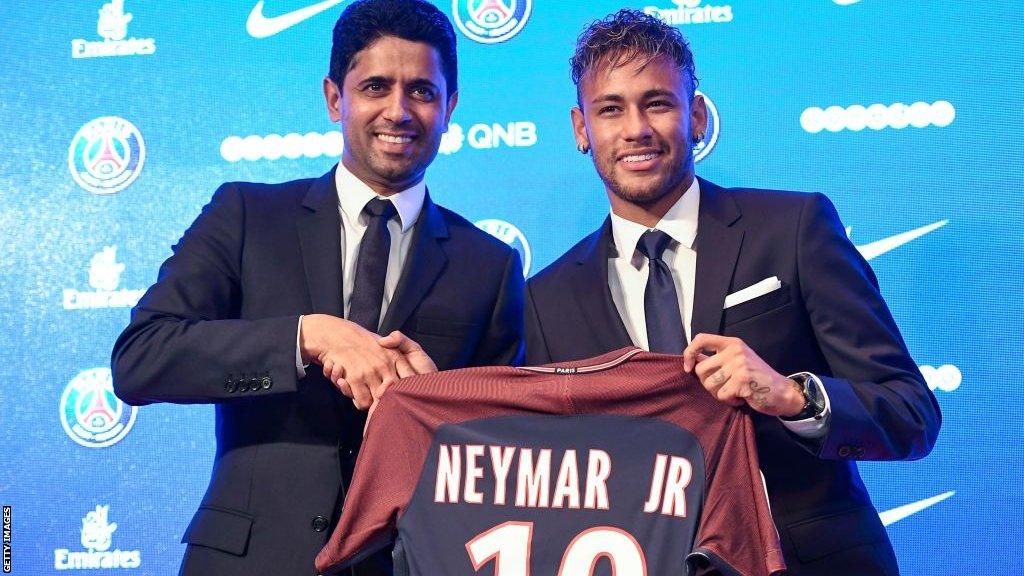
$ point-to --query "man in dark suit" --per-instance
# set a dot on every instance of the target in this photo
(271, 279)
(761, 291)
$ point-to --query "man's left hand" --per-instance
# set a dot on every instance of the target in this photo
(735, 374)
(415, 359)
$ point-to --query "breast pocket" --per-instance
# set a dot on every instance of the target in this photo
(757, 306)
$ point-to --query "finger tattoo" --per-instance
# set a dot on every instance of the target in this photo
(759, 394)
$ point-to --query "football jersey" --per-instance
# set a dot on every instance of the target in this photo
(621, 464)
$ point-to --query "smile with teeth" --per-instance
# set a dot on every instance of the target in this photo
(395, 139)
(641, 157)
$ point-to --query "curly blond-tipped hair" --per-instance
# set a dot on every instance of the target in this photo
(627, 36)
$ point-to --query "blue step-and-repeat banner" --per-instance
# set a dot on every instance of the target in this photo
(119, 119)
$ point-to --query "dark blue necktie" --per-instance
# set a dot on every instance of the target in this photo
(665, 332)
(372, 265)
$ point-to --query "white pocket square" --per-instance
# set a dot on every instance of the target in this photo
(753, 291)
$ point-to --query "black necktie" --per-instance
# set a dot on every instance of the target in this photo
(372, 265)
(665, 332)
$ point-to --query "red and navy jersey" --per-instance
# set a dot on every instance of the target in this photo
(622, 464)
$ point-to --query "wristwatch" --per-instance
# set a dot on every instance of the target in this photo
(814, 404)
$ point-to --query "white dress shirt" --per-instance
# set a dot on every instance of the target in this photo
(628, 272)
(627, 281)
(353, 195)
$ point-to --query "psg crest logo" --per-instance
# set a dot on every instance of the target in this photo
(510, 235)
(703, 148)
(491, 21)
(106, 155)
(90, 412)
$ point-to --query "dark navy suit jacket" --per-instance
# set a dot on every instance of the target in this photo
(219, 326)
(828, 318)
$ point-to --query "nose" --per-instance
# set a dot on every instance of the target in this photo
(397, 110)
(637, 126)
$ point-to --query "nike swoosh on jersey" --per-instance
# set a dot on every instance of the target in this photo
(259, 26)
(900, 512)
(875, 249)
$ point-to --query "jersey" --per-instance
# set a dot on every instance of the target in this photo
(621, 464)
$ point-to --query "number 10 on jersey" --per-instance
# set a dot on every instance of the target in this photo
(508, 545)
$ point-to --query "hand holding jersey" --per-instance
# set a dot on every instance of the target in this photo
(351, 357)
(417, 360)
(735, 374)
(621, 462)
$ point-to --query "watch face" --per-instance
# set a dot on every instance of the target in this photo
(814, 404)
(812, 394)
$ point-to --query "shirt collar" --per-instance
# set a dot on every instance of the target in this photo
(353, 194)
(680, 222)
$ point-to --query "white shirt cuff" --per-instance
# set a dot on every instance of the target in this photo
(300, 368)
(816, 426)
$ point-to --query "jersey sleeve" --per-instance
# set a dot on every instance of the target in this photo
(383, 482)
(736, 534)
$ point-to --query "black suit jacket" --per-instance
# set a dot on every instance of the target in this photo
(828, 318)
(219, 326)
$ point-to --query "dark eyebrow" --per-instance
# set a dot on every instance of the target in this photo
(416, 82)
(608, 98)
(653, 93)
(424, 82)
(377, 80)
(659, 92)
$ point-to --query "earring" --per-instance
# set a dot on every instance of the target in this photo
(697, 138)
(582, 148)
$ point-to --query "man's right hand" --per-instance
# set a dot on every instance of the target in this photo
(352, 358)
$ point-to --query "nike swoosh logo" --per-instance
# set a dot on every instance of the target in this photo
(259, 26)
(900, 512)
(875, 249)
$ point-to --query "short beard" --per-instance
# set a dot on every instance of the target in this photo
(651, 194)
(398, 172)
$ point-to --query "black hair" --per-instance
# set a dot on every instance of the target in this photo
(364, 21)
(629, 35)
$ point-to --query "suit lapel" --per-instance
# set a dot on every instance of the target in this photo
(424, 263)
(591, 293)
(319, 229)
(320, 243)
(717, 245)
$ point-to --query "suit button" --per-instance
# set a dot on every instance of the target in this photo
(266, 382)
(319, 523)
(254, 384)
(229, 386)
(844, 451)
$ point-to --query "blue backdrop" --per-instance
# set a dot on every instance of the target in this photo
(121, 118)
